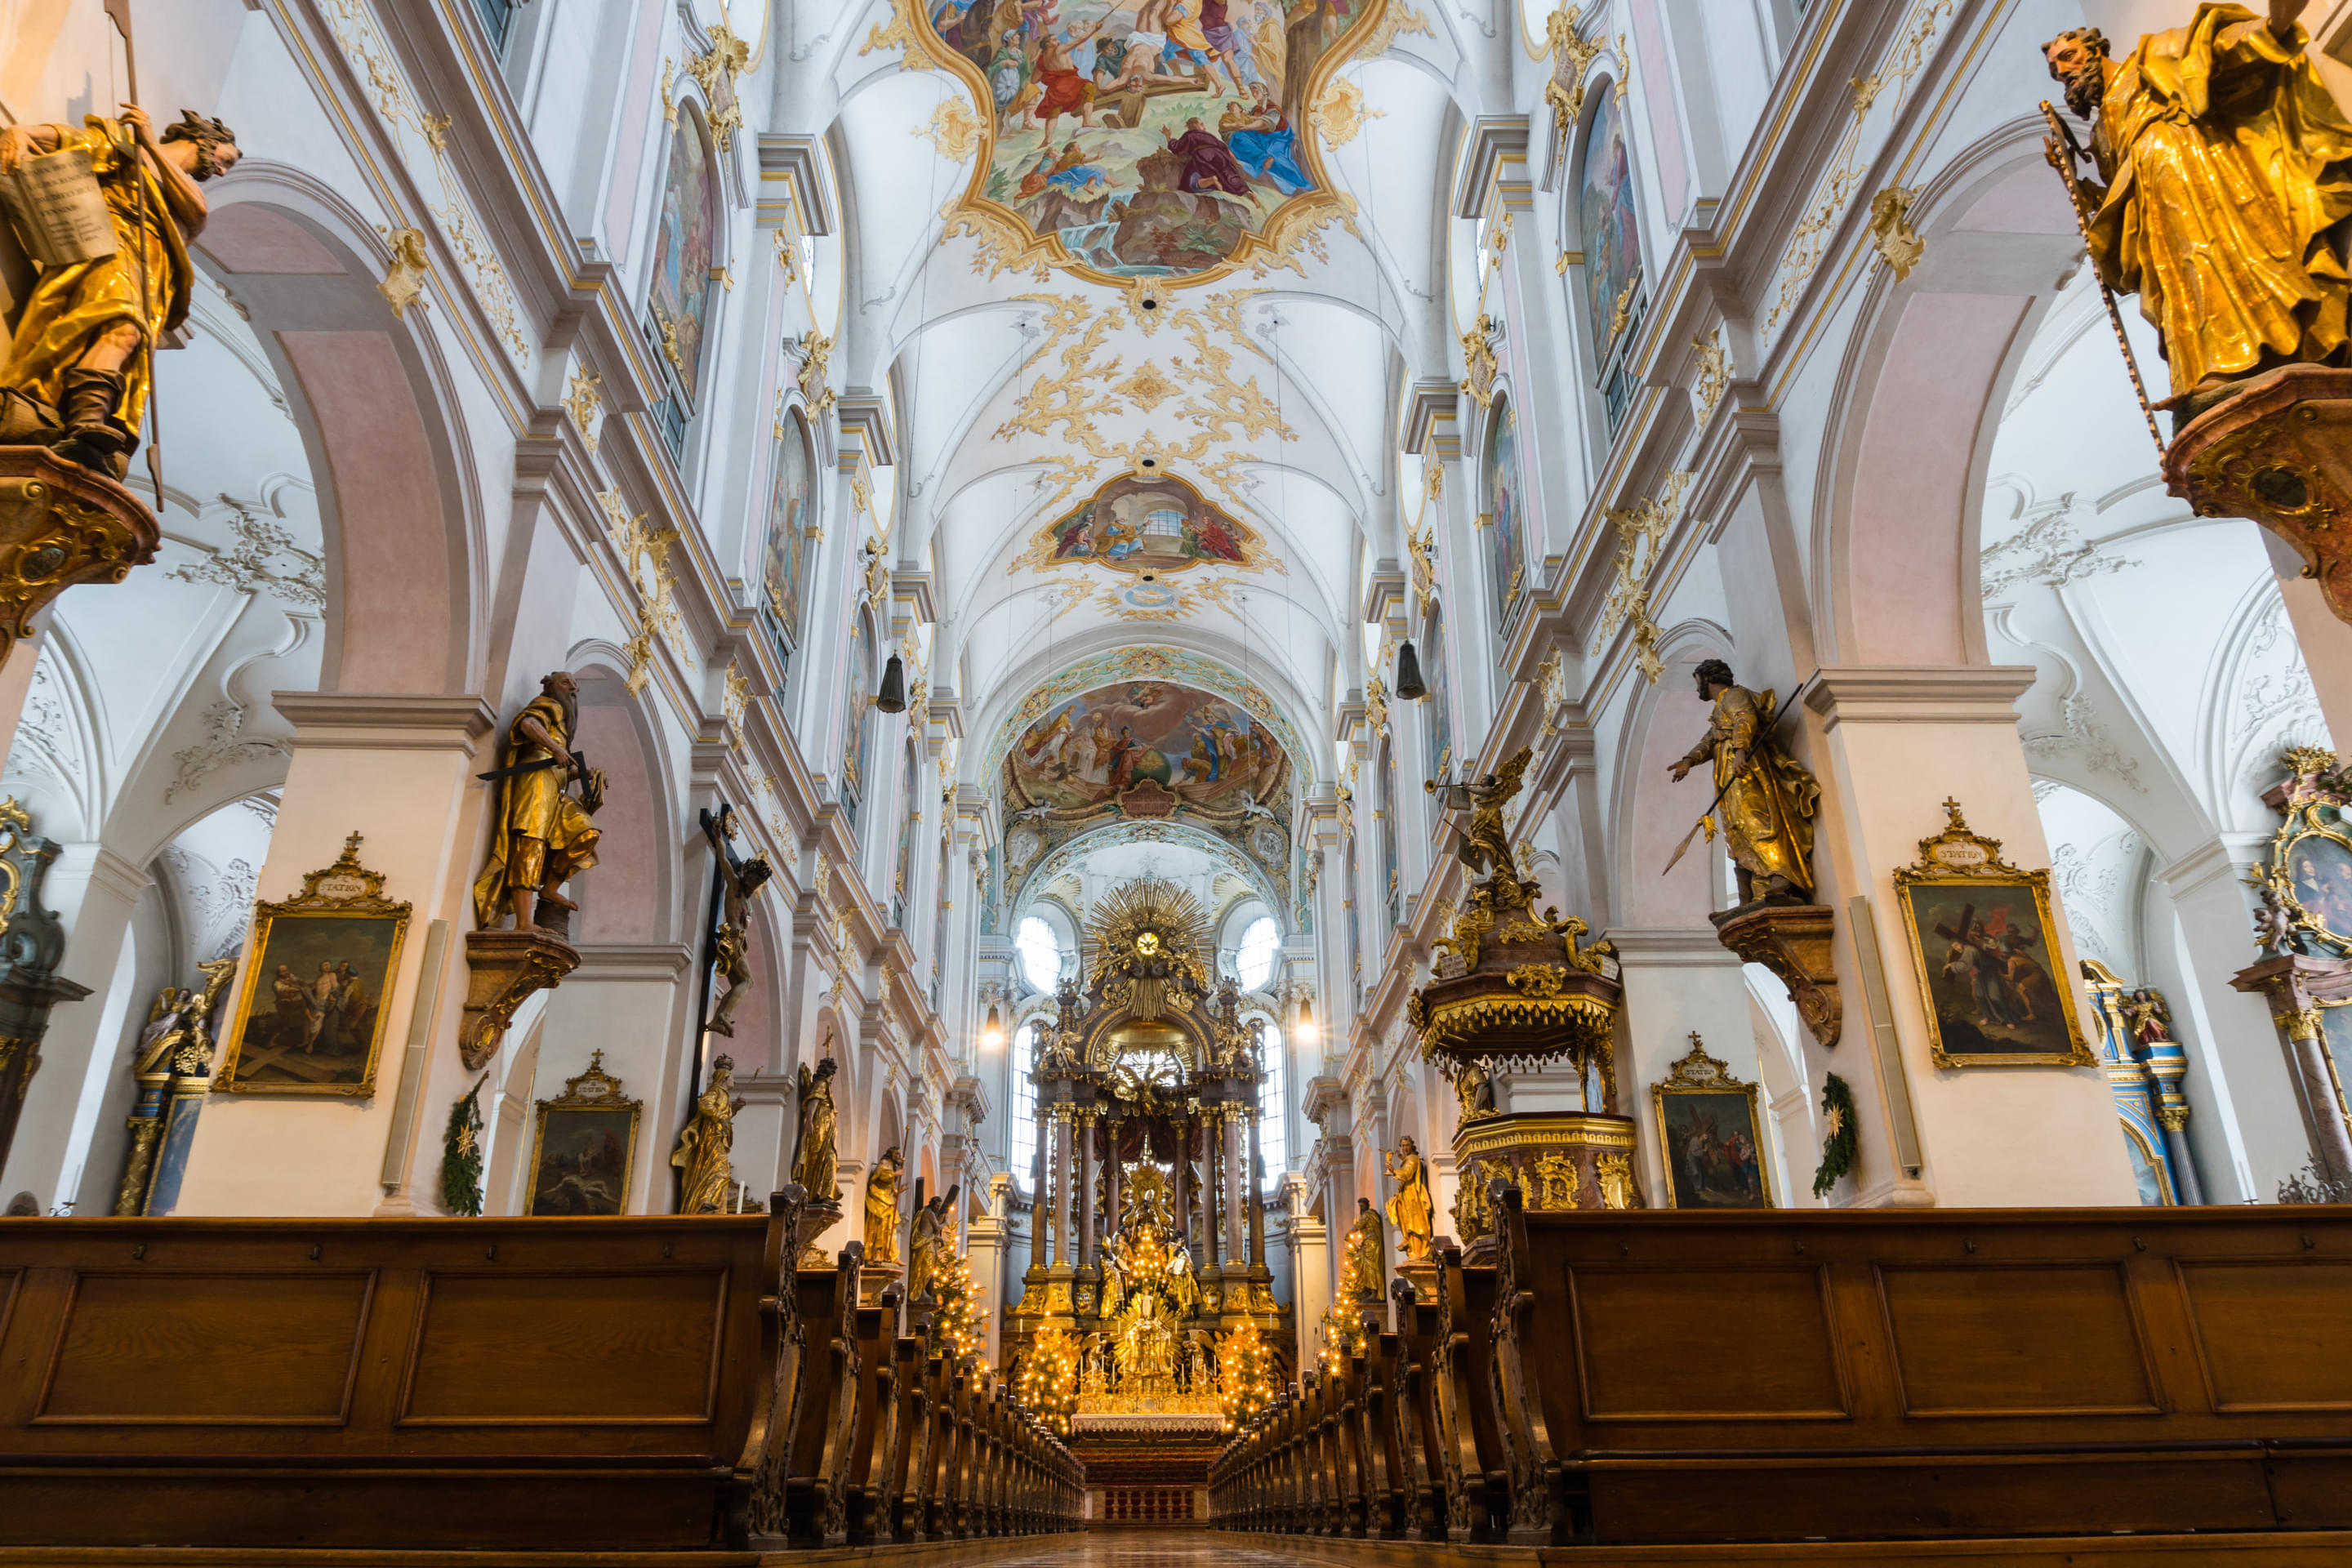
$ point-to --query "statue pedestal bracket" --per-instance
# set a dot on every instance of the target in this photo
(2281, 453)
(61, 525)
(1797, 943)
(505, 968)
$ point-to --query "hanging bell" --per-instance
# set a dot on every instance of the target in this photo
(892, 697)
(1408, 682)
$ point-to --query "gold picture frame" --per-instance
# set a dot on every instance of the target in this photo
(324, 1032)
(2309, 866)
(592, 1120)
(1707, 1168)
(1998, 997)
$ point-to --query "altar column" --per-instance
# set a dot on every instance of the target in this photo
(1086, 1131)
(1236, 1184)
(1184, 1179)
(1213, 1215)
(1057, 1237)
(1110, 1173)
(1255, 1202)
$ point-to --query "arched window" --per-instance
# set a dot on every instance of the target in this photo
(678, 306)
(1273, 1129)
(1505, 542)
(1023, 1152)
(1438, 726)
(858, 723)
(1254, 962)
(1040, 953)
(1612, 235)
(789, 488)
(911, 822)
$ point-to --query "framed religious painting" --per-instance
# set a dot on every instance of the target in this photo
(310, 1013)
(1983, 937)
(2307, 875)
(583, 1147)
(1710, 1136)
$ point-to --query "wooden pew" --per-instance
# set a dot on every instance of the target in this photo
(1423, 1459)
(1689, 1377)
(868, 1484)
(477, 1383)
(816, 1505)
(1470, 1442)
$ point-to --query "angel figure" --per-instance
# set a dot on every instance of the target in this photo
(1485, 845)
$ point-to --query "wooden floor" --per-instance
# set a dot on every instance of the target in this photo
(1206, 1549)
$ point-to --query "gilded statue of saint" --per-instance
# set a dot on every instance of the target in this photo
(930, 1248)
(1411, 1210)
(542, 838)
(706, 1173)
(816, 1164)
(1364, 1267)
(1767, 800)
(882, 1207)
(2225, 174)
(82, 359)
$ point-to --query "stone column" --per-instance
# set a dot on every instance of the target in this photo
(1310, 1280)
(92, 891)
(398, 770)
(1891, 743)
(1678, 980)
(1213, 1209)
(1184, 1194)
(1086, 1131)
(985, 1246)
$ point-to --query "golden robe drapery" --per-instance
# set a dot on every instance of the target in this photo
(1767, 812)
(70, 307)
(2226, 163)
(541, 828)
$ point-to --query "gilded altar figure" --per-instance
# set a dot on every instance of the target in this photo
(83, 357)
(1765, 799)
(816, 1164)
(706, 1173)
(1411, 1210)
(1365, 1265)
(2225, 176)
(542, 837)
(882, 1207)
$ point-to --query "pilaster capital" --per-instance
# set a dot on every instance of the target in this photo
(385, 721)
(659, 961)
(1919, 694)
(1664, 947)
(2224, 856)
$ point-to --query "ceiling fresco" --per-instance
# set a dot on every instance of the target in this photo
(1141, 139)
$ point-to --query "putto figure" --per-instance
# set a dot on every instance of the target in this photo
(543, 836)
(1765, 801)
(83, 357)
(2225, 173)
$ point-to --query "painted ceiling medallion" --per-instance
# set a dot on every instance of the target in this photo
(1164, 139)
(1148, 529)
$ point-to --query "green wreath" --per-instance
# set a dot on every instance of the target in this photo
(1840, 1148)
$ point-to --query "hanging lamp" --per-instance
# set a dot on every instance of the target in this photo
(1408, 673)
(892, 697)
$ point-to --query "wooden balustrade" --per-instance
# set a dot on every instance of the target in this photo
(1662, 1378)
(635, 1384)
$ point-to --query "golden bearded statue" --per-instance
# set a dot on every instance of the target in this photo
(2225, 174)
(1765, 799)
(542, 838)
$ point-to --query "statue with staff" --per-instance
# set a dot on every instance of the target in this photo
(1765, 801)
(2223, 174)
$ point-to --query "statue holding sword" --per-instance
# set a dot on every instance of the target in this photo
(542, 837)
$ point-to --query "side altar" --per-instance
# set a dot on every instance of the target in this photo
(1147, 1305)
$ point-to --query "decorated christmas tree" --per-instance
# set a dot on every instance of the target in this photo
(1049, 1377)
(1248, 1376)
(959, 1328)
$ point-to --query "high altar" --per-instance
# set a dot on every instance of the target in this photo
(1147, 1287)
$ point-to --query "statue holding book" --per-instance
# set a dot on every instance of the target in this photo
(106, 211)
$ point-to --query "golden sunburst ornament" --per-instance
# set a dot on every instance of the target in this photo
(1149, 916)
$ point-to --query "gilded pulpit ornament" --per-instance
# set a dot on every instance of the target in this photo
(882, 1207)
(2221, 176)
(706, 1181)
(541, 836)
(1514, 990)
